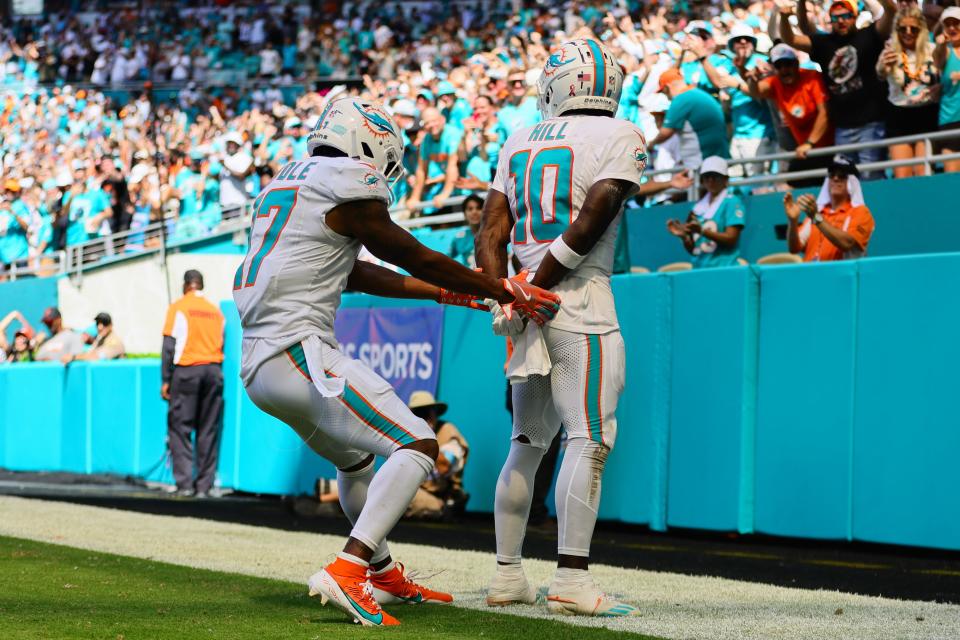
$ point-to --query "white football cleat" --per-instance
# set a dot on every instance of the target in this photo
(506, 590)
(586, 600)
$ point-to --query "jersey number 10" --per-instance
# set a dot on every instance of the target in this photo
(276, 204)
(544, 187)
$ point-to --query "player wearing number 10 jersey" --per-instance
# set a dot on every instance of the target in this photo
(308, 227)
(557, 197)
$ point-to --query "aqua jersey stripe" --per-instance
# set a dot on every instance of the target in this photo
(591, 396)
(599, 69)
(368, 414)
(299, 359)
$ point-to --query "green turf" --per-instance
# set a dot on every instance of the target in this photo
(49, 592)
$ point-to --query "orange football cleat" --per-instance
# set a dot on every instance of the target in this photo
(345, 584)
(394, 585)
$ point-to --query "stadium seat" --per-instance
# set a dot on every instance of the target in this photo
(639, 270)
(780, 258)
(742, 262)
(675, 266)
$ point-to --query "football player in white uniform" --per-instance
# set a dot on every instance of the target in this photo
(558, 196)
(308, 226)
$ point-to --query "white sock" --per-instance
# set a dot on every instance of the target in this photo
(385, 569)
(511, 506)
(578, 495)
(389, 495)
(512, 570)
(349, 557)
(352, 487)
(571, 577)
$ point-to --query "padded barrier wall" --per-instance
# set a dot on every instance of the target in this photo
(812, 401)
(890, 201)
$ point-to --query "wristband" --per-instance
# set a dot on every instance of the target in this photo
(565, 255)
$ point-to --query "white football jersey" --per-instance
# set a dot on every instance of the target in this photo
(545, 171)
(288, 286)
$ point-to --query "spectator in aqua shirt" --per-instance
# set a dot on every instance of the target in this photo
(480, 145)
(195, 190)
(753, 131)
(288, 53)
(462, 246)
(629, 108)
(87, 206)
(405, 115)
(712, 231)
(14, 224)
(438, 168)
(519, 110)
(453, 108)
(700, 44)
(689, 104)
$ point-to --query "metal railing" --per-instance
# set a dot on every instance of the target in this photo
(158, 237)
(154, 238)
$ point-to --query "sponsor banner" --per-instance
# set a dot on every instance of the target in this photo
(401, 344)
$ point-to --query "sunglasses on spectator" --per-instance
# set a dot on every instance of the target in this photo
(517, 83)
(741, 40)
(837, 17)
(784, 64)
(838, 175)
(951, 24)
(908, 29)
(703, 34)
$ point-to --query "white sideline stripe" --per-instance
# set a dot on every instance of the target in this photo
(674, 606)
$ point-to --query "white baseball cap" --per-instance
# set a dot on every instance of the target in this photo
(234, 137)
(654, 103)
(950, 12)
(404, 107)
(714, 164)
(782, 52)
(138, 173)
(741, 30)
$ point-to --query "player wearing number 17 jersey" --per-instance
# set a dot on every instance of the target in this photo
(308, 226)
(557, 197)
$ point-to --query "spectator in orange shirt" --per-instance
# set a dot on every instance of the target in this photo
(802, 100)
(838, 224)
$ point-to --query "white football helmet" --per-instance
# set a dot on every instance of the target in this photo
(363, 130)
(579, 74)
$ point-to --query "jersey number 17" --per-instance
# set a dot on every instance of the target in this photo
(274, 205)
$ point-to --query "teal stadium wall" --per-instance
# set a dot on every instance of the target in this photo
(916, 215)
(814, 401)
(30, 296)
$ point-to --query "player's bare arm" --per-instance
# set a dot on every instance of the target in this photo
(491, 242)
(601, 206)
(369, 222)
(379, 281)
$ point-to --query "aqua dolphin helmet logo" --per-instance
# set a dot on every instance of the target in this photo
(555, 61)
(375, 122)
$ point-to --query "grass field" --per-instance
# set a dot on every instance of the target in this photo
(202, 592)
(53, 592)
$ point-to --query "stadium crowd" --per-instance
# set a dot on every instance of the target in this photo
(89, 146)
